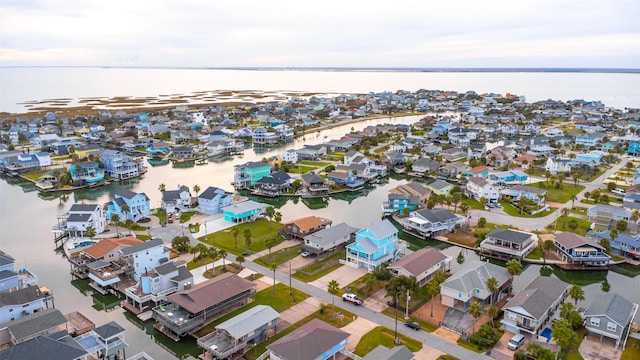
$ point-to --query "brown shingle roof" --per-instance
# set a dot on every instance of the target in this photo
(105, 246)
(307, 223)
(571, 240)
(308, 341)
(419, 261)
(210, 292)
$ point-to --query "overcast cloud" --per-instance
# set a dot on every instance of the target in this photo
(345, 33)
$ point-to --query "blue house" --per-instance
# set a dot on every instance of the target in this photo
(508, 177)
(579, 250)
(398, 202)
(87, 172)
(624, 245)
(138, 203)
(158, 148)
(440, 128)
(634, 149)
(375, 245)
(594, 156)
(213, 199)
(248, 174)
(245, 211)
(346, 179)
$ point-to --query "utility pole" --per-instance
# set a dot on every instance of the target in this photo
(290, 289)
(406, 313)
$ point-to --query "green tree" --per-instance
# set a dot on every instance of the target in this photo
(277, 217)
(196, 189)
(621, 226)
(514, 268)
(570, 313)
(605, 287)
(90, 232)
(223, 255)
(269, 243)
(493, 313)
(475, 310)
(548, 245)
(433, 289)
(576, 293)
(332, 288)
(535, 351)
(269, 213)
(235, 231)
(211, 253)
(482, 222)
(247, 237)
(563, 333)
(240, 259)
(180, 244)
(492, 286)
(565, 214)
(273, 267)
(115, 219)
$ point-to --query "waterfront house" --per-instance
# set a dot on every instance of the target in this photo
(213, 199)
(191, 309)
(142, 257)
(421, 264)
(76, 221)
(174, 201)
(182, 152)
(261, 136)
(248, 174)
(226, 146)
(155, 285)
(86, 172)
(440, 187)
(241, 332)
(397, 203)
(610, 315)
(244, 211)
(579, 250)
(41, 323)
(413, 189)
(328, 239)
(534, 194)
(120, 166)
(274, 184)
(315, 186)
(452, 170)
(453, 154)
(12, 279)
(106, 341)
(23, 302)
(509, 177)
(425, 166)
(138, 203)
(479, 188)
(301, 227)
(606, 216)
(469, 284)
(345, 179)
(594, 156)
(375, 245)
(313, 340)
(106, 250)
(312, 152)
(623, 245)
(59, 343)
(509, 243)
(395, 158)
(428, 223)
(531, 308)
(158, 148)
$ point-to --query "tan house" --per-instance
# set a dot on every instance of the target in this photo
(301, 227)
(421, 264)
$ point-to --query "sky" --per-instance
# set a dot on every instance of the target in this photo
(328, 33)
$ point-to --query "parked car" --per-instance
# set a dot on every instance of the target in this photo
(498, 205)
(490, 205)
(515, 342)
(305, 253)
(352, 298)
(412, 325)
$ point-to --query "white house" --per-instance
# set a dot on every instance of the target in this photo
(481, 188)
(144, 257)
(76, 221)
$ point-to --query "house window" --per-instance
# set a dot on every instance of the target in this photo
(611, 326)
(595, 322)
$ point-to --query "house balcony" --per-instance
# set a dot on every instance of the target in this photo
(508, 248)
(220, 344)
(135, 293)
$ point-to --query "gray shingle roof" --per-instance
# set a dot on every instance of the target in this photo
(308, 341)
(435, 216)
(383, 353)
(248, 321)
(382, 229)
(330, 235)
(42, 348)
(439, 185)
(27, 326)
(474, 275)
(211, 192)
(109, 329)
(420, 261)
(141, 247)
(514, 237)
(21, 296)
(83, 207)
(614, 306)
(538, 296)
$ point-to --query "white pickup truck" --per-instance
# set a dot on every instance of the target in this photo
(352, 298)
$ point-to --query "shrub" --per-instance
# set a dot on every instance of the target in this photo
(486, 336)
(482, 222)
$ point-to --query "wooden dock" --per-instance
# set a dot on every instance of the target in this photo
(78, 324)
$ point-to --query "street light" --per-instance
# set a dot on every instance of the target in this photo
(395, 334)
(406, 312)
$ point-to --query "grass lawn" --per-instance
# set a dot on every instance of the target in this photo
(186, 216)
(464, 238)
(314, 163)
(279, 302)
(278, 257)
(302, 169)
(473, 203)
(383, 336)
(260, 231)
(536, 254)
(364, 286)
(579, 210)
(320, 268)
(447, 357)
(562, 195)
(143, 237)
(583, 225)
(572, 352)
(35, 176)
(510, 209)
(632, 351)
(426, 326)
(469, 346)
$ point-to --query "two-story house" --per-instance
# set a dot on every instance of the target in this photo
(533, 194)
(509, 177)
(580, 251)
(244, 211)
(606, 216)
(479, 188)
(375, 245)
(421, 264)
(623, 244)
(531, 308)
(138, 203)
(313, 340)
(76, 221)
(469, 284)
(509, 243)
(274, 184)
(425, 166)
(399, 203)
(174, 201)
(301, 227)
(23, 302)
(314, 185)
(213, 199)
(440, 187)
(328, 239)
(428, 223)
(106, 250)
(86, 172)
(106, 341)
(119, 165)
(143, 257)
(12, 279)
(610, 315)
(248, 174)
(557, 165)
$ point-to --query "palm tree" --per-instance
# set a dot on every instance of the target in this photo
(493, 313)
(240, 259)
(548, 245)
(273, 267)
(269, 212)
(115, 219)
(514, 268)
(196, 189)
(492, 286)
(223, 255)
(90, 232)
(475, 310)
(235, 231)
(247, 237)
(332, 288)
(522, 202)
(211, 253)
(162, 187)
(565, 214)
(193, 250)
(433, 289)
(576, 293)
(126, 210)
(269, 243)
(277, 217)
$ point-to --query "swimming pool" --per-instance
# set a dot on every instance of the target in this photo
(546, 332)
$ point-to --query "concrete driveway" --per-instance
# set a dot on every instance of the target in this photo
(344, 275)
(300, 310)
(357, 328)
(592, 349)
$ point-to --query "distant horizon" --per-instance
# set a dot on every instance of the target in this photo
(354, 68)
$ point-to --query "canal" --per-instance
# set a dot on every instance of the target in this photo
(27, 217)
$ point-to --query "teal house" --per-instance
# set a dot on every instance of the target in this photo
(244, 212)
(398, 202)
(375, 245)
(247, 175)
(88, 172)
